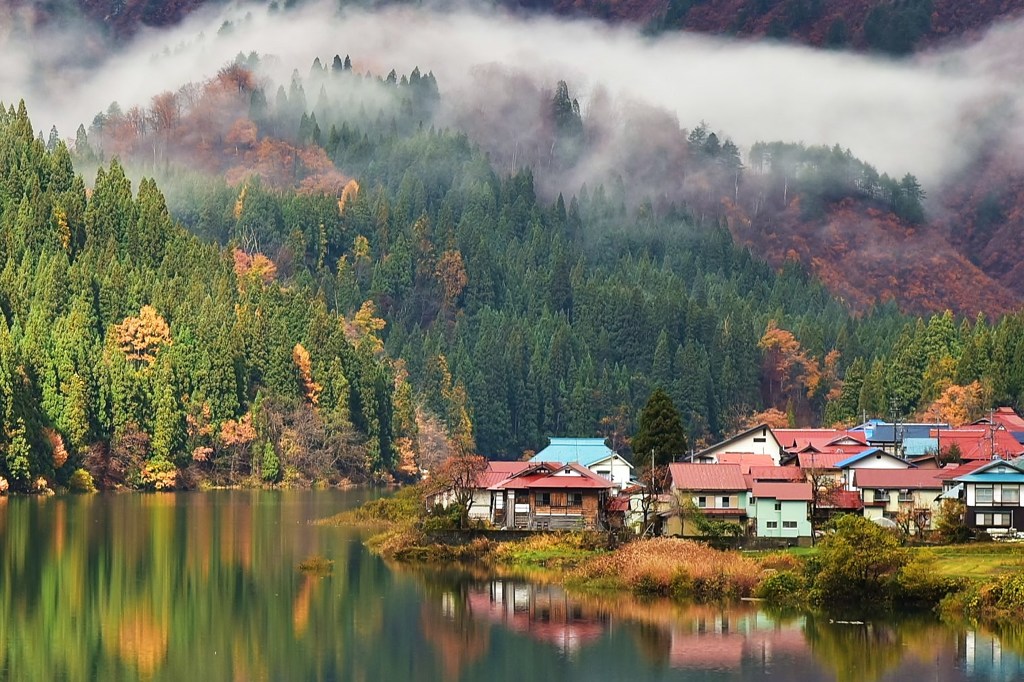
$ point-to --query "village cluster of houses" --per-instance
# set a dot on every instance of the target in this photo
(773, 482)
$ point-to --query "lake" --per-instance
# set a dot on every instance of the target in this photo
(206, 586)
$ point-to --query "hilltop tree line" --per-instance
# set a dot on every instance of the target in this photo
(132, 351)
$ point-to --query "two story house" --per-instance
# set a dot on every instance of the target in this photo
(993, 496)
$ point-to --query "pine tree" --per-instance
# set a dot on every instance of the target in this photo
(660, 431)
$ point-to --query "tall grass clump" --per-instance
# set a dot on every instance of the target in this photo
(682, 569)
(559, 551)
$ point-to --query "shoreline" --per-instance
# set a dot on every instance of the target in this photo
(930, 578)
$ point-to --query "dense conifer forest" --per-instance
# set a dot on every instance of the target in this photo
(333, 280)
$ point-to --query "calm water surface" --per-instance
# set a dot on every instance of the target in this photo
(205, 586)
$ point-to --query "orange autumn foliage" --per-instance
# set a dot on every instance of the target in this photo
(139, 338)
(257, 266)
(348, 193)
(311, 389)
(957, 405)
(240, 432)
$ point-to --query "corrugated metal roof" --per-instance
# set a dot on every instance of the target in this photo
(745, 460)
(776, 473)
(543, 479)
(991, 478)
(586, 451)
(820, 460)
(897, 478)
(798, 492)
(913, 447)
(707, 476)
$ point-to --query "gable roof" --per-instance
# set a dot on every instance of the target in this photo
(910, 479)
(980, 442)
(544, 476)
(820, 460)
(951, 471)
(776, 474)
(1006, 417)
(875, 453)
(707, 476)
(739, 436)
(586, 451)
(746, 460)
(993, 472)
(822, 440)
(793, 492)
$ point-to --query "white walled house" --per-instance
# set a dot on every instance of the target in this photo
(873, 458)
(756, 441)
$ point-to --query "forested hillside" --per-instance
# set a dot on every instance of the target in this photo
(520, 317)
(136, 352)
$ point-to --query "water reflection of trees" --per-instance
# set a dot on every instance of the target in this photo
(199, 586)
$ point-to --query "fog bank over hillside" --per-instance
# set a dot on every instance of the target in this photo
(919, 116)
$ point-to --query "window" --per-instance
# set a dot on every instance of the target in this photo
(881, 495)
(702, 501)
(725, 502)
(1010, 494)
(789, 524)
(992, 520)
(983, 494)
(772, 524)
(778, 506)
(544, 499)
(906, 496)
(575, 500)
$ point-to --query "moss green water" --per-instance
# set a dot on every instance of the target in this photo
(207, 586)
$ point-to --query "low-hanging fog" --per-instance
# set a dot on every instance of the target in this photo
(923, 116)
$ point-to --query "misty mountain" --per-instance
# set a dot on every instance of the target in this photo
(883, 26)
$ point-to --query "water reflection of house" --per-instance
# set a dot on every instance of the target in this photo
(544, 613)
(723, 639)
(984, 657)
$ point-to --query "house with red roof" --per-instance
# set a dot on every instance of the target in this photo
(821, 440)
(746, 460)
(872, 458)
(909, 495)
(718, 490)
(780, 509)
(550, 496)
(983, 441)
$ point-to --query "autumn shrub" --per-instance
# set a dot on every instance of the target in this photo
(158, 474)
(920, 585)
(681, 568)
(560, 551)
(81, 482)
(785, 588)
(1000, 601)
(780, 561)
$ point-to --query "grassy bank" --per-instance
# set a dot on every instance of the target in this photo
(858, 568)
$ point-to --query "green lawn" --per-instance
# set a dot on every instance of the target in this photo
(977, 561)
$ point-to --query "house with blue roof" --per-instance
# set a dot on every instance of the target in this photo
(893, 437)
(993, 497)
(591, 453)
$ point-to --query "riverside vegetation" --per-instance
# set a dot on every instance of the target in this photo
(857, 567)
